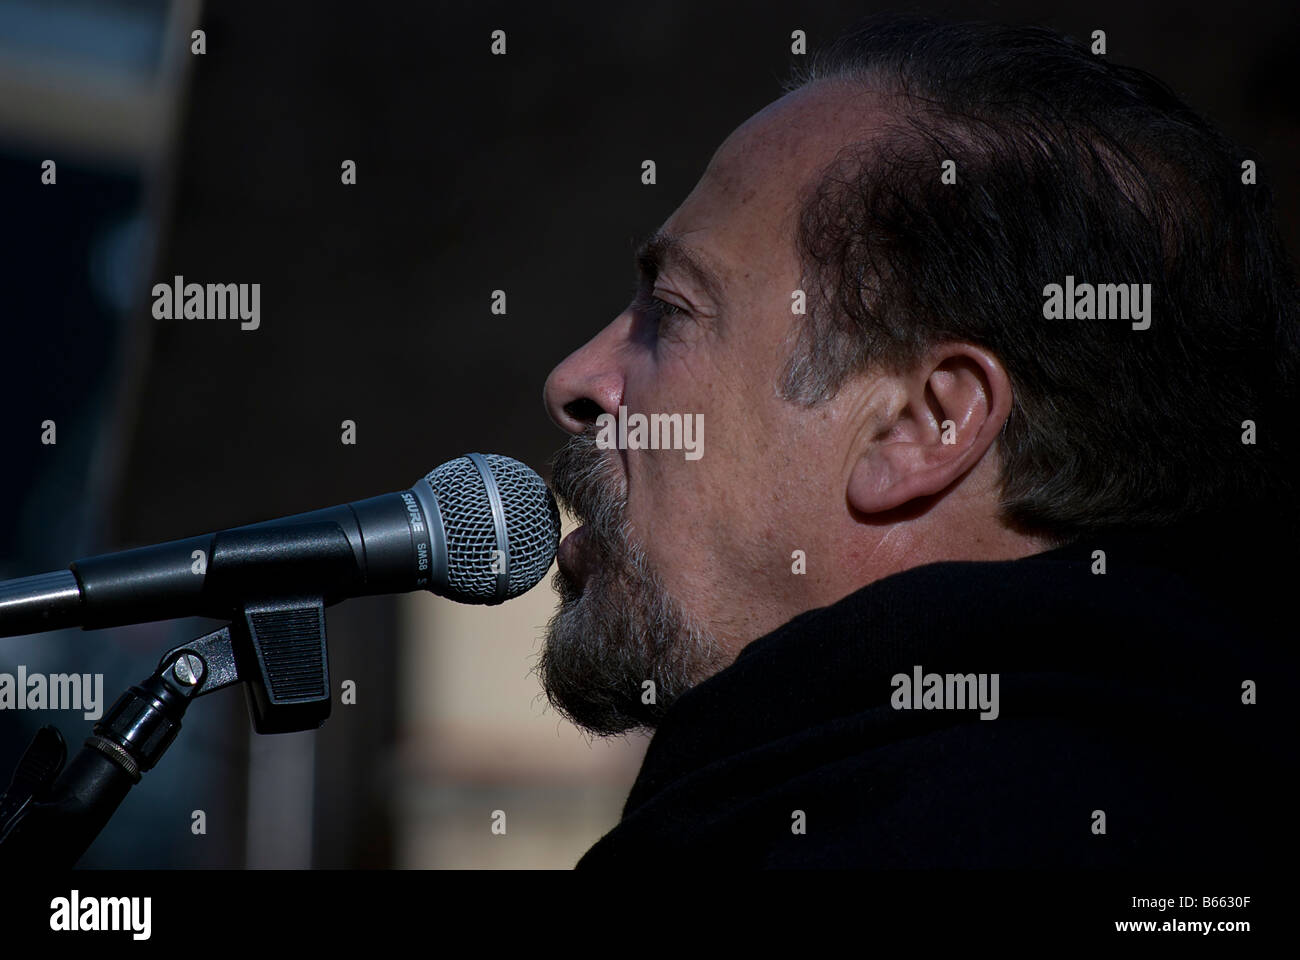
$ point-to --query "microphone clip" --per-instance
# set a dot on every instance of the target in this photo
(52, 811)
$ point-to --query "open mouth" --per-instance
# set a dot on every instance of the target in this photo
(571, 556)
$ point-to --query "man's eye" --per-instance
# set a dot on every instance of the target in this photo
(663, 310)
(658, 317)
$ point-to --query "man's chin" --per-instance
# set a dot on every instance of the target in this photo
(587, 669)
(619, 654)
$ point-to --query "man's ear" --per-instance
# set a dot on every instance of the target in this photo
(950, 410)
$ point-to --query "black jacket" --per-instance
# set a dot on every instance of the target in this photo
(1119, 693)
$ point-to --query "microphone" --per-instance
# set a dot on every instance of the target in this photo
(477, 529)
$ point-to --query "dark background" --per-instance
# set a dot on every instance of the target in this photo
(474, 173)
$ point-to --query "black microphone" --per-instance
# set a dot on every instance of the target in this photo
(478, 529)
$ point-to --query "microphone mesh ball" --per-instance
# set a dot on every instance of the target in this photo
(532, 526)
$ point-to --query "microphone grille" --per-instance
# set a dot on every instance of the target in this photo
(531, 526)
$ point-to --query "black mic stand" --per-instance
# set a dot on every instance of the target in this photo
(50, 814)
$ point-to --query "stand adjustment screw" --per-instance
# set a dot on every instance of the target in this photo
(188, 669)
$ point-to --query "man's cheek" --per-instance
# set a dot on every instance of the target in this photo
(651, 491)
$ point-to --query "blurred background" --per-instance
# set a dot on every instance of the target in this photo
(474, 173)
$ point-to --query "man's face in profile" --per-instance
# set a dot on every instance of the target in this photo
(682, 561)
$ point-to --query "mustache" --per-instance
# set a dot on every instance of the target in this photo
(588, 485)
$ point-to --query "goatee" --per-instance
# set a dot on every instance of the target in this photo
(620, 650)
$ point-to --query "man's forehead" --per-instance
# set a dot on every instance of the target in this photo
(741, 213)
(792, 138)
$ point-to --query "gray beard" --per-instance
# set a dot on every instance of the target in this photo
(621, 628)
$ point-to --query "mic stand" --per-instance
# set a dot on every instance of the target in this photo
(49, 815)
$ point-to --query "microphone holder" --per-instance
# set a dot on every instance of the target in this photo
(50, 815)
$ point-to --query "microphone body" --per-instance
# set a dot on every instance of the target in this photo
(478, 529)
(355, 549)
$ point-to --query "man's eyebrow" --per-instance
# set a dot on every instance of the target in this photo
(666, 251)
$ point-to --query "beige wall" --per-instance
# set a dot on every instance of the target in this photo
(476, 735)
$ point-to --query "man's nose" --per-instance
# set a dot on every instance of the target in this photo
(586, 384)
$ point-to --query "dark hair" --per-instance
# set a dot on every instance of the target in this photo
(1066, 164)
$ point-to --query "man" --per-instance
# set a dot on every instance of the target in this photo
(993, 340)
